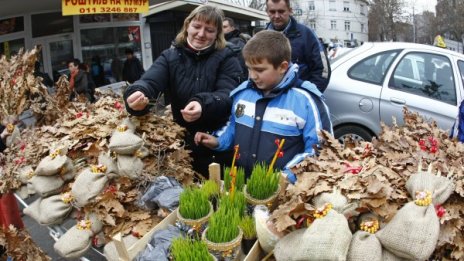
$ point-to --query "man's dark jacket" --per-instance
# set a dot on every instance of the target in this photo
(132, 70)
(308, 53)
(81, 82)
(238, 43)
(207, 76)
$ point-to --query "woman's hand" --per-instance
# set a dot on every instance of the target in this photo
(137, 101)
(205, 139)
(192, 111)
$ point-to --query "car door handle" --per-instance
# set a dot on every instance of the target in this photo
(397, 100)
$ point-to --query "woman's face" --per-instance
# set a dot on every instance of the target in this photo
(201, 34)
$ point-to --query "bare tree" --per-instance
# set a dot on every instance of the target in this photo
(450, 16)
(258, 4)
(427, 27)
(383, 16)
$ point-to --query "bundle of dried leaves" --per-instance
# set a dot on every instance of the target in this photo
(20, 245)
(374, 175)
(17, 82)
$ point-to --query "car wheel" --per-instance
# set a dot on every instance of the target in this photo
(357, 133)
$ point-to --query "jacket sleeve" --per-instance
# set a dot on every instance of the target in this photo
(226, 135)
(152, 83)
(217, 103)
(312, 127)
(318, 64)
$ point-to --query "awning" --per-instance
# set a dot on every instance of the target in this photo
(230, 10)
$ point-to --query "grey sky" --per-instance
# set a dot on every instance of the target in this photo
(420, 5)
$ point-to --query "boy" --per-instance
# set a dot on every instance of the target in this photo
(273, 104)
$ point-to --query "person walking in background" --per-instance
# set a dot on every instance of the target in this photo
(198, 72)
(46, 80)
(97, 71)
(307, 51)
(78, 81)
(235, 37)
(132, 69)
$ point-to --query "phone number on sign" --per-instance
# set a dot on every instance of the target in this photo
(107, 10)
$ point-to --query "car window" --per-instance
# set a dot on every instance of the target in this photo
(373, 68)
(461, 70)
(427, 75)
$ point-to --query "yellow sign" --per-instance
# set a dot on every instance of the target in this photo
(439, 41)
(78, 7)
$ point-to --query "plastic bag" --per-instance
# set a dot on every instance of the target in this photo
(152, 199)
(266, 237)
(158, 247)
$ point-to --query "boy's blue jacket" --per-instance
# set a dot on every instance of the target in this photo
(257, 121)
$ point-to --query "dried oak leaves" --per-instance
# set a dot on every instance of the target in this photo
(19, 245)
(374, 175)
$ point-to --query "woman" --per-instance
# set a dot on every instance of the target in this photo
(197, 74)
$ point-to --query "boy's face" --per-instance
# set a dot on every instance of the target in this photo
(264, 75)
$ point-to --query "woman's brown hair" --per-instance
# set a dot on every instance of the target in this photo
(210, 15)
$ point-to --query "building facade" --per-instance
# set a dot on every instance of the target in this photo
(341, 21)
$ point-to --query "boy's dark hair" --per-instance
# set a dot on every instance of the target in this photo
(129, 51)
(75, 62)
(287, 2)
(270, 45)
(230, 20)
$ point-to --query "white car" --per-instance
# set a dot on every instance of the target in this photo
(371, 84)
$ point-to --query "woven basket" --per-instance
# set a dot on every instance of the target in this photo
(197, 224)
(269, 202)
(229, 250)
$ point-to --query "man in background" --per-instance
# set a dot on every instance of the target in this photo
(307, 51)
(132, 69)
(238, 41)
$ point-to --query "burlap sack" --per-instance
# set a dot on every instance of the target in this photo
(441, 187)
(55, 209)
(111, 167)
(68, 171)
(412, 233)
(25, 173)
(129, 166)
(51, 165)
(87, 186)
(388, 256)
(110, 251)
(47, 185)
(22, 192)
(76, 241)
(365, 247)
(33, 210)
(319, 239)
(284, 248)
(14, 137)
(338, 201)
(124, 141)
